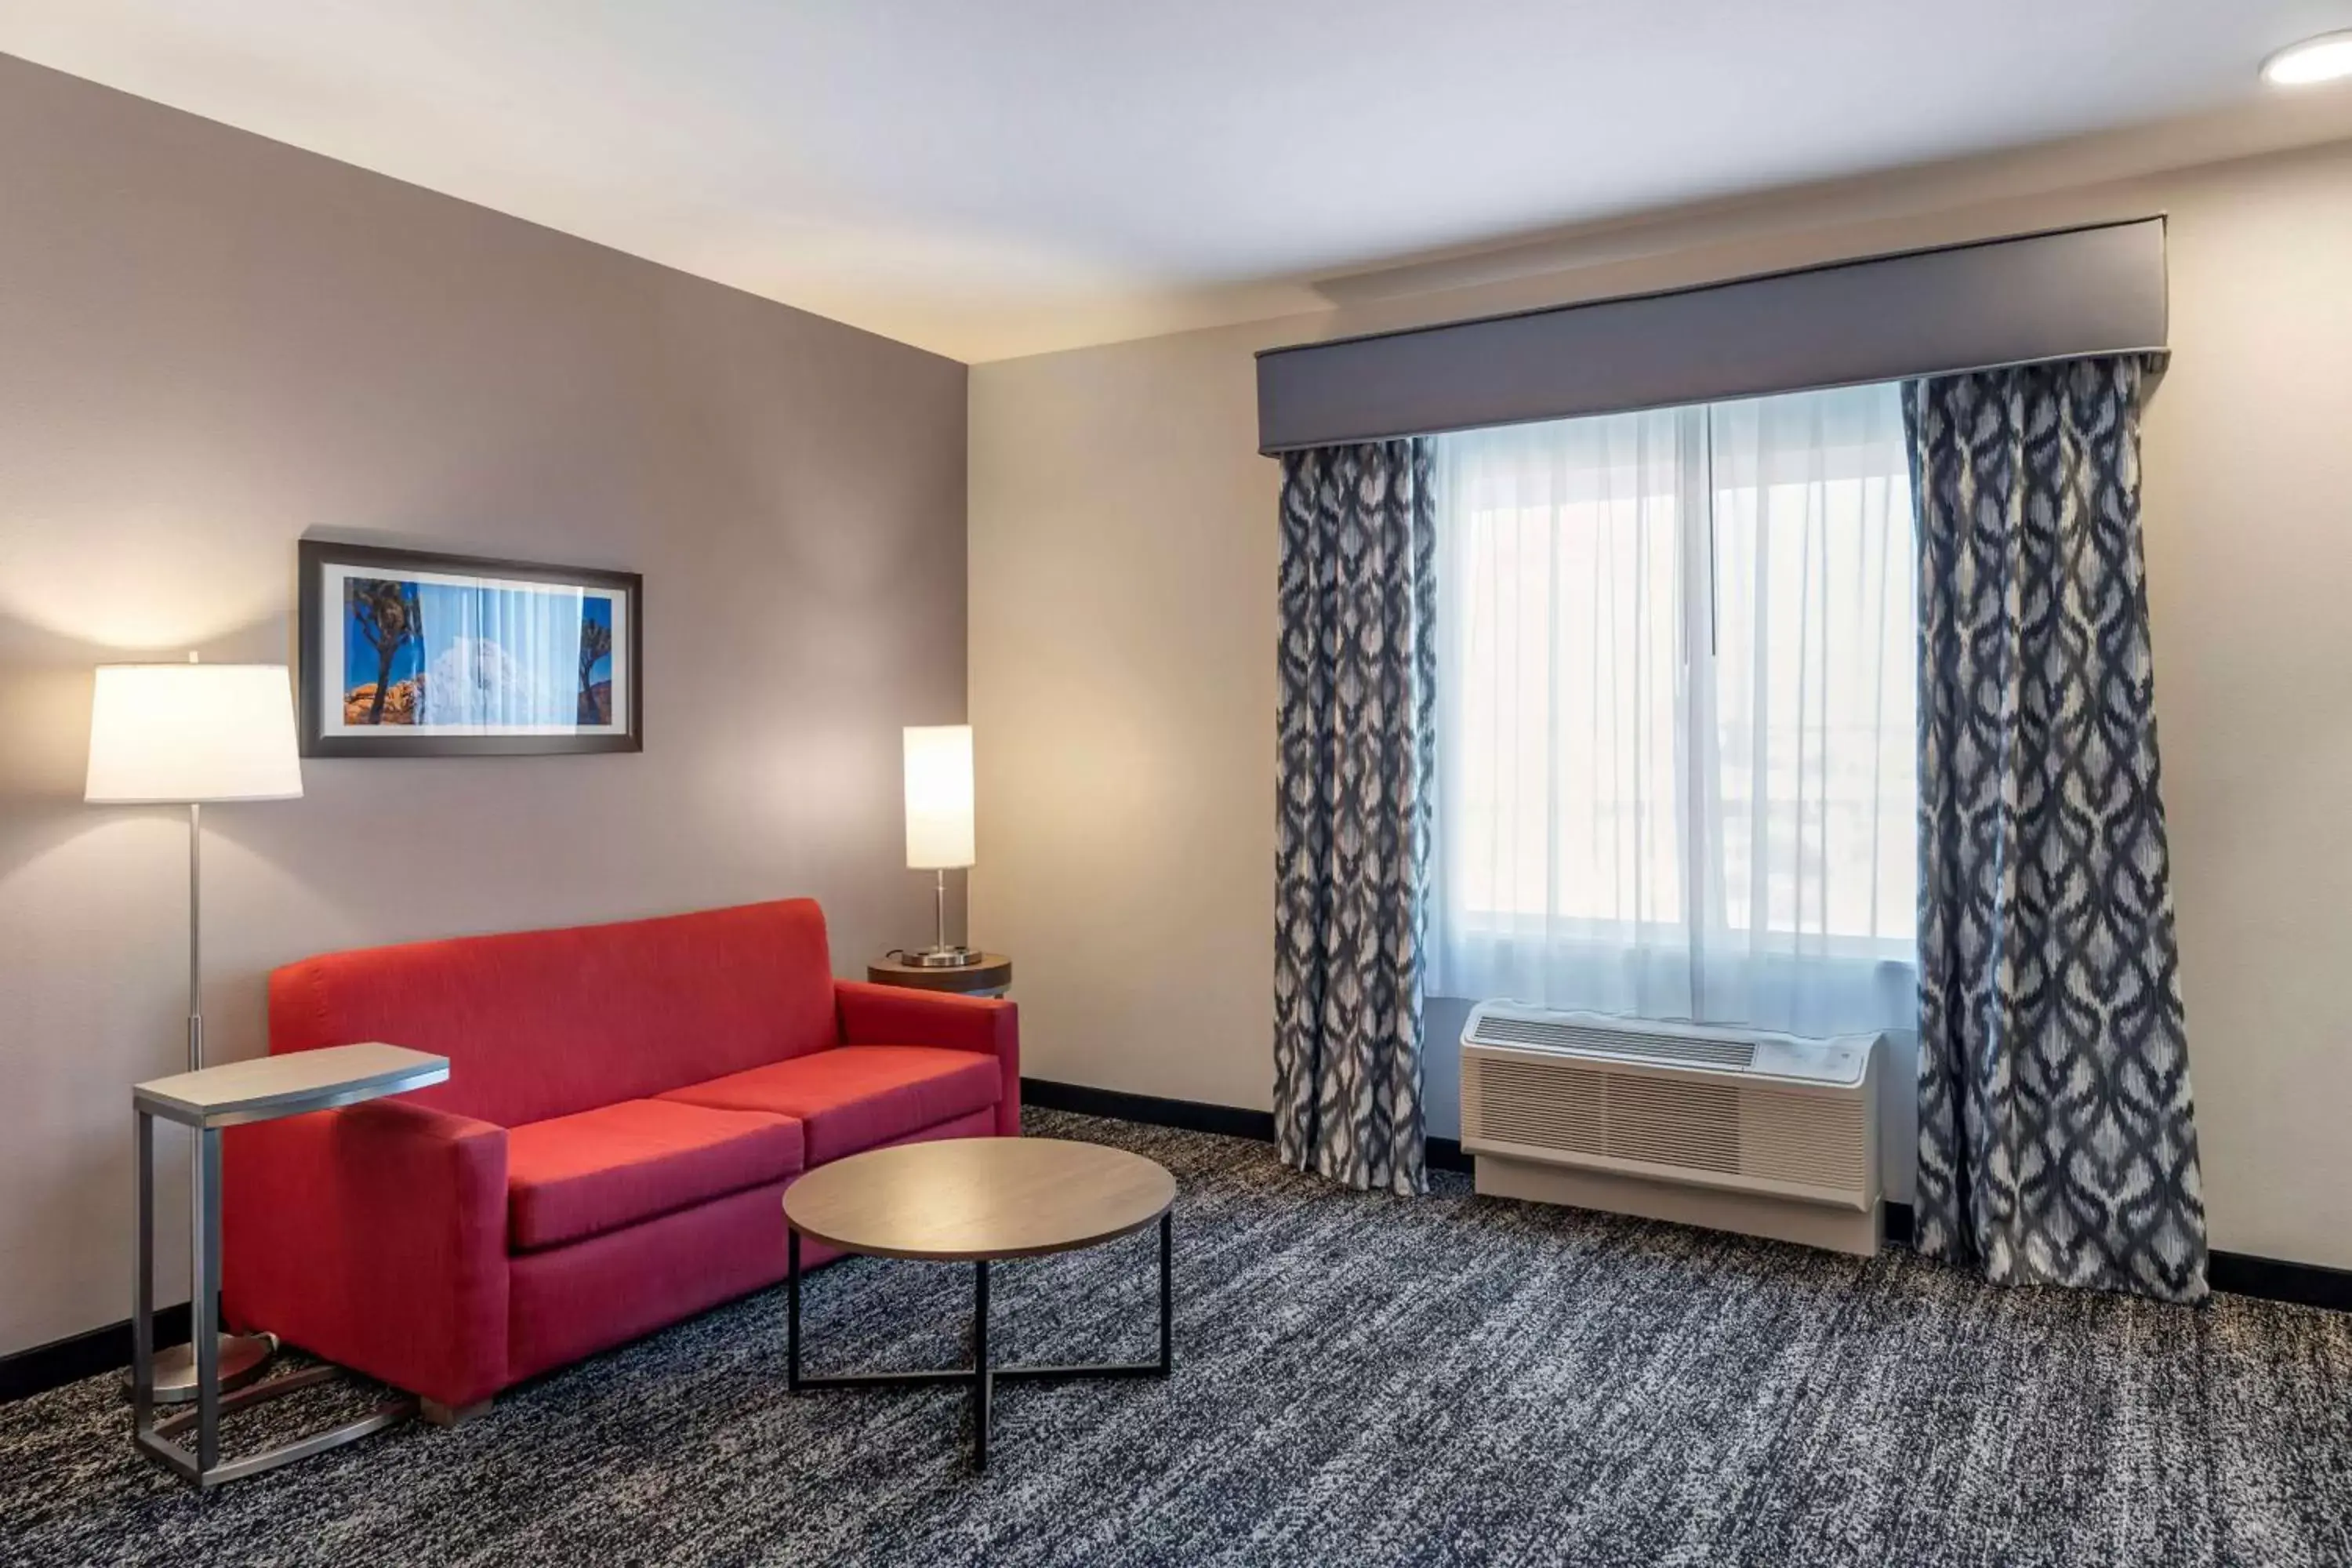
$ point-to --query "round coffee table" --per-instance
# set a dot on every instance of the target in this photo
(972, 1200)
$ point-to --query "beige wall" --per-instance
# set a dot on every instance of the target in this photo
(1123, 558)
(210, 345)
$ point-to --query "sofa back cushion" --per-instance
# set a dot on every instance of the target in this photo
(545, 1023)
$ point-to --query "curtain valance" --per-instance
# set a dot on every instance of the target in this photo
(2069, 294)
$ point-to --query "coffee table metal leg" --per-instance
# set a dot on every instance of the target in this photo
(984, 1373)
(1167, 1294)
(981, 1375)
(791, 1309)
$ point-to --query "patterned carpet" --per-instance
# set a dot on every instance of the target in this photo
(1360, 1380)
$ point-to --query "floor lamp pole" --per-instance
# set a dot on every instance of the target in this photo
(196, 937)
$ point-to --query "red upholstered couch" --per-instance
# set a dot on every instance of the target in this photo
(626, 1106)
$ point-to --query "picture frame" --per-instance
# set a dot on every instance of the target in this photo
(415, 653)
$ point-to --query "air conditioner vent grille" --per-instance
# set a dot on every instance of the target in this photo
(1674, 1121)
(1658, 1119)
(1731, 1055)
(1809, 1138)
(1543, 1106)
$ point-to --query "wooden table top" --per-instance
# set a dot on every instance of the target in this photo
(993, 973)
(962, 1199)
(261, 1088)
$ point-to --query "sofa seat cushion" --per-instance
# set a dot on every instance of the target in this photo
(595, 1171)
(854, 1097)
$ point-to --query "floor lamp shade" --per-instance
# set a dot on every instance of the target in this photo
(183, 733)
(938, 797)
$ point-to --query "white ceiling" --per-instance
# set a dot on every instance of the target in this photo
(992, 177)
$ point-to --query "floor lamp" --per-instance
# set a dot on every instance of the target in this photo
(190, 734)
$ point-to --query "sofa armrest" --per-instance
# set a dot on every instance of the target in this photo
(375, 1235)
(897, 1015)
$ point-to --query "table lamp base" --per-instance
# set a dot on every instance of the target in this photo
(945, 957)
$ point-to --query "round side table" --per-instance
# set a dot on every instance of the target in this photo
(992, 976)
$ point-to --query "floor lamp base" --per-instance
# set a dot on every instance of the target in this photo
(243, 1358)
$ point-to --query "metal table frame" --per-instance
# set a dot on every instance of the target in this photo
(981, 1375)
(206, 1101)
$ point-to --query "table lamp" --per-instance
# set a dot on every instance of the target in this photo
(172, 734)
(939, 823)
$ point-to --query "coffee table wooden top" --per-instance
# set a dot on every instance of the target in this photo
(961, 1199)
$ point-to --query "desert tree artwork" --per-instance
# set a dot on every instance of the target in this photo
(387, 616)
(448, 653)
(411, 653)
(596, 647)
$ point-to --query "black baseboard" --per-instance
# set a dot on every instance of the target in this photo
(2273, 1280)
(1191, 1115)
(2239, 1273)
(2265, 1278)
(77, 1356)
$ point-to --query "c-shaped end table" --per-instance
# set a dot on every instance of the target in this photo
(205, 1102)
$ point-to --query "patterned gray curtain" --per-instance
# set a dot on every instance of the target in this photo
(1357, 765)
(2056, 1141)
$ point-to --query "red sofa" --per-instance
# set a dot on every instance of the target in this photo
(626, 1106)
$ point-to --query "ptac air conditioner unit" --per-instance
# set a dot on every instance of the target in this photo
(1736, 1130)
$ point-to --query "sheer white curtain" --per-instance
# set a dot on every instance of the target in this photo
(1676, 677)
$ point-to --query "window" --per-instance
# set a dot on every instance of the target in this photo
(1676, 689)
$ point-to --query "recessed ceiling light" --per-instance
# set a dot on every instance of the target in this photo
(2326, 58)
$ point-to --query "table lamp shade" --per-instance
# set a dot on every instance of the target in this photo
(173, 733)
(938, 797)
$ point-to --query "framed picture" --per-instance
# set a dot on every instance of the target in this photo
(407, 653)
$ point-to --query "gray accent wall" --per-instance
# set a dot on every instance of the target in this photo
(211, 344)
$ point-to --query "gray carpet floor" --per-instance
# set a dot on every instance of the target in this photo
(1360, 1380)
